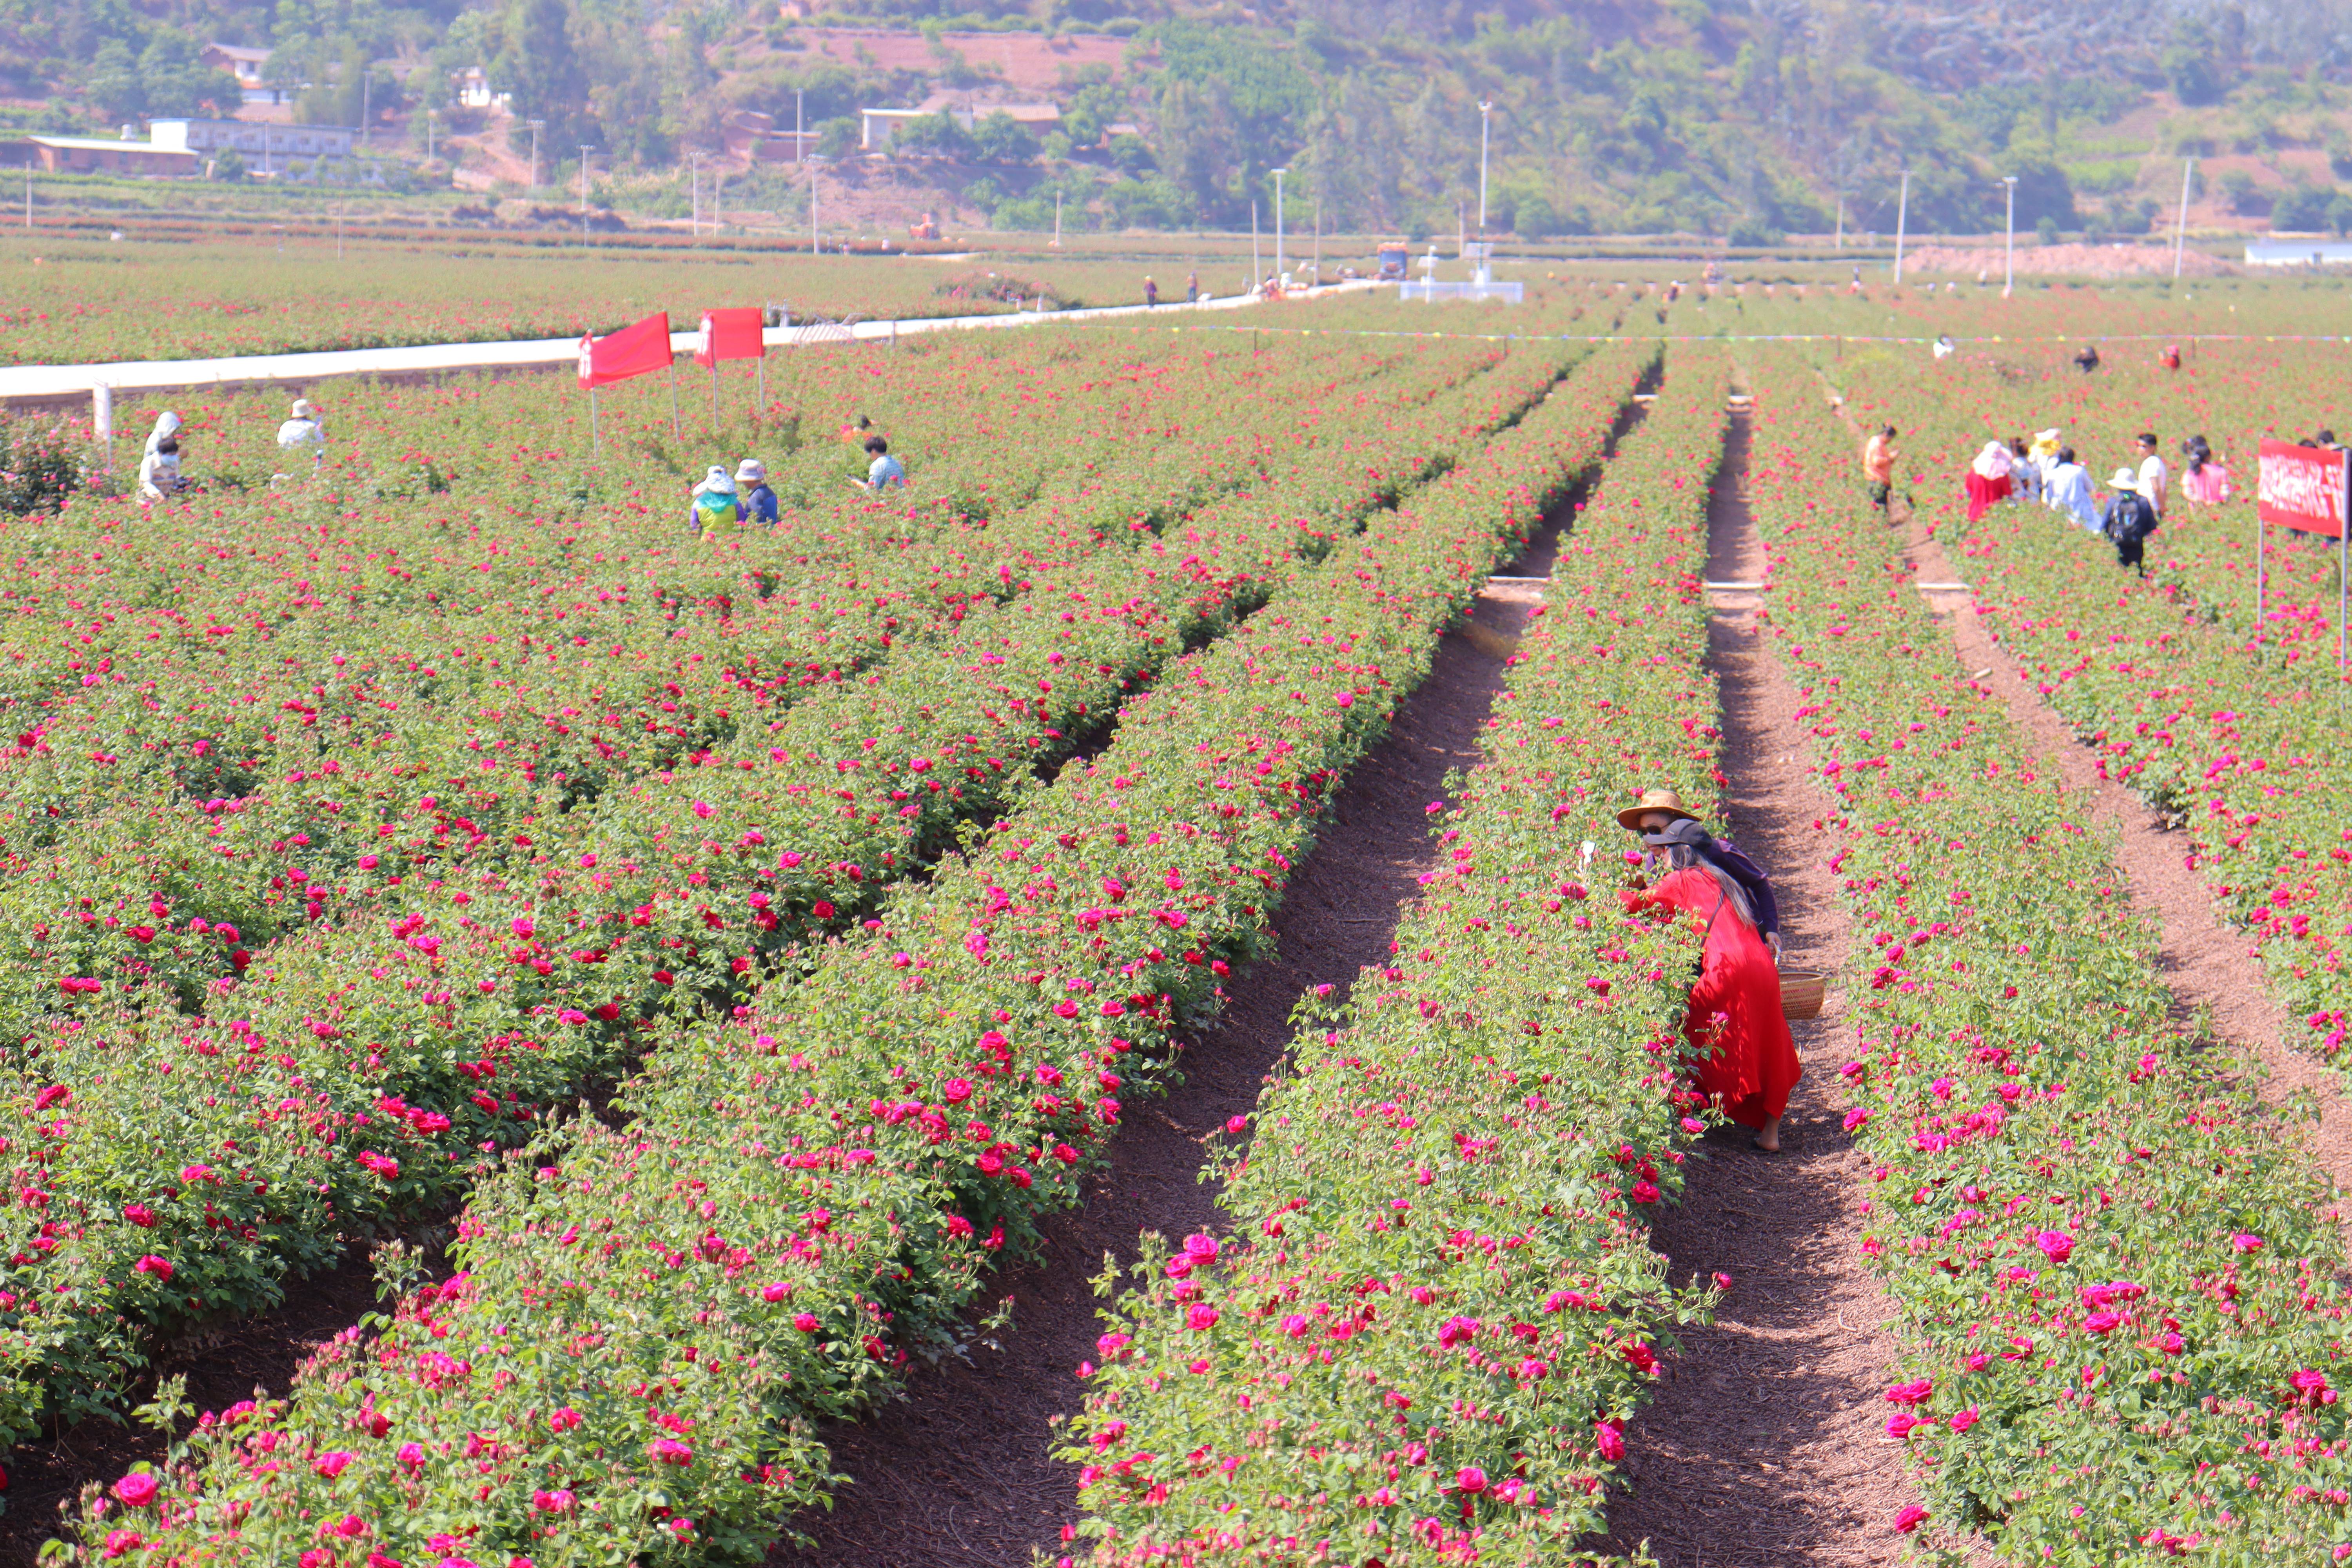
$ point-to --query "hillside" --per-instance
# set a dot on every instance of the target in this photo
(1744, 119)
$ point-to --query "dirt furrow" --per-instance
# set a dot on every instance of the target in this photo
(960, 1473)
(1766, 1443)
(2210, 968)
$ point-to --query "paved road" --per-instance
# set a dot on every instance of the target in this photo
(47, 382)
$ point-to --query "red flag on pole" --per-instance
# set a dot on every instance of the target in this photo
(731, 334)
(636, 350)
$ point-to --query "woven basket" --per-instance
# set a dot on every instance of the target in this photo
(1801, 991)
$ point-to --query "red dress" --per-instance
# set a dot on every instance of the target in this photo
(1742, 1055)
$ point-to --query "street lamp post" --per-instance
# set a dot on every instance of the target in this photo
(536, 127)
(583, 187)
(1277, 219)
(1902, 224)
(2009, 255)
(2180, 226)
(1486, 112)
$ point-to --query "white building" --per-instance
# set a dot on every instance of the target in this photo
(264, 146)
(247, 65)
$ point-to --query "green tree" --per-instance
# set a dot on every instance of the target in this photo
(116, 90)
(542, 66)
(1001, 139)
(935, 136)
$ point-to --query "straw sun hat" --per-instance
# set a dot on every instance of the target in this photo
(1654, 800)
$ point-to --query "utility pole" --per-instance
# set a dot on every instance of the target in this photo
(800, 127)
(367, 85)
(429, 135)
(1486, 114)
(718, 184)
(536, 127)
(1257, 268)
(1841, 233)
(584, 188)
(2180, 228)
(1057, 218)
(816, 234)
(2009, 263)
(694, 182)
(28, 195)
(1902, 224)
(1278, 174)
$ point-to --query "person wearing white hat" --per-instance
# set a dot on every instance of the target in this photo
(759, 502)
(2129, 520)
(302, 430)
(715, 505)
(159, 468)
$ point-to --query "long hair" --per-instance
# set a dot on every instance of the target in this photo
(1670, 858)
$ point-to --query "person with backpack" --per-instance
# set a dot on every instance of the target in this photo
(1743, 1057)
(2129, 520)
(715, 508)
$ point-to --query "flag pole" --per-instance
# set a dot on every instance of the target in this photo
(595, 436)
(674, 428)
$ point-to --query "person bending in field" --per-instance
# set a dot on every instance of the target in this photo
(1742, 1057)
(1878, 456)
(2128, 520)
(1989, 478)
(2088, 360)
(302, 432)
(159, 471)
(885, 472)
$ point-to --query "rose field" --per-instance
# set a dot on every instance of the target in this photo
(1079, 1011)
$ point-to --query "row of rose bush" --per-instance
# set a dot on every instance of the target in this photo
(2223, 725)
(649, 1317)
(351, 1070)
(2119, 1276)
(1438, 1302)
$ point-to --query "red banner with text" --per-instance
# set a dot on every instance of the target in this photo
(2303, 488)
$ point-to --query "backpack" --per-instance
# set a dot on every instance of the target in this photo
(2132, 520)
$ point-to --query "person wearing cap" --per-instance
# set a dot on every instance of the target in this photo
(2129, 520)
(759, 502)
(715, 508)
(302, 430)
(1743, 1057)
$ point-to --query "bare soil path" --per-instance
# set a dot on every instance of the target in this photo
(1766, 1443)
(2210, 968)
(249, 1358)
(959, 1474)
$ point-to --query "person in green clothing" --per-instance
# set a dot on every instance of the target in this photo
(715, 507)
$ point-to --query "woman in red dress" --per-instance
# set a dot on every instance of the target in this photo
(1741, 1054)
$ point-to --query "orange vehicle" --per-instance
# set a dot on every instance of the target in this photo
(926, 228)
